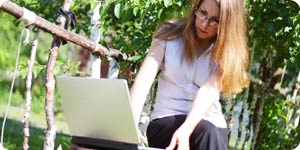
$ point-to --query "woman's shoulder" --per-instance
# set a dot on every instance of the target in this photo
(168, 25)
(173, 22)
(167, 28)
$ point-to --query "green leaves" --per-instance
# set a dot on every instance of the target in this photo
(168, 3)
(136, 57)
(135, 11)
(117, 10)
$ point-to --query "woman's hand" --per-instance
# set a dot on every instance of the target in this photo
(181, 138)
(142, 138)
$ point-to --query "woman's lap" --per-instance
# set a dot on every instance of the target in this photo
(205, 136)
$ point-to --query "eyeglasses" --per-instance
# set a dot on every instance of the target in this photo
(213, 22)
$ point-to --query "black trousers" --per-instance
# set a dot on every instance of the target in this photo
(205, 136)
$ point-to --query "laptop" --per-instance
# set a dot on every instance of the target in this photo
(98, 113)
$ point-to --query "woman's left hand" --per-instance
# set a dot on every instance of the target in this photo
(181, 139)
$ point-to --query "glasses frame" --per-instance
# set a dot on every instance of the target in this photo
(211, 21)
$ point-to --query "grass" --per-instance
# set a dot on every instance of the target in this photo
(13, 133)
(13, 136)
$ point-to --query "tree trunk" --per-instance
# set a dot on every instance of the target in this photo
(249, 101)
(28, 92)
(49, 142)
(95, 67)
(258, 110)
(235, 129)
(63, 34)
(257, 116)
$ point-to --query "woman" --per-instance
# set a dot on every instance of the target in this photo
(199, 56)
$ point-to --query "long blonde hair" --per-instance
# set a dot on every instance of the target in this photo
(230, 51)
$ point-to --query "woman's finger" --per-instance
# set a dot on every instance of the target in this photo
(183, 146)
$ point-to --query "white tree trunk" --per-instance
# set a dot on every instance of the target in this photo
(95, 67)
(28, 92)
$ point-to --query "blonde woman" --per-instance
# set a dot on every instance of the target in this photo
(200, 56)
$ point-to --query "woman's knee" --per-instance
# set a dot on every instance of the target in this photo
(160, 131)
(205, 127)
(207, 136)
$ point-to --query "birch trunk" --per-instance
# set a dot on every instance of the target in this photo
(95, 67)
(294, 116)
(50, 84)
(249, 101)
(234, 134)
(28, 92)
(17, 11)
(258, 110)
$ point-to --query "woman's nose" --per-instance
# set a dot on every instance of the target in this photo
(205, 23)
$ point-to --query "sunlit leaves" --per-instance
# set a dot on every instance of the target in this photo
(117, 10)
(168, 3)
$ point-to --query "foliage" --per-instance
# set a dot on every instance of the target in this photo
(6, 48)
(277, 130)
(275, 32)
(49, 8)
(274, 37)
(130, 24)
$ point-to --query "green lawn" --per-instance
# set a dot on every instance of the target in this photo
(13, 133)
(13, 136)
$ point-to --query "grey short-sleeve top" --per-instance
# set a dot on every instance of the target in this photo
(179, 82)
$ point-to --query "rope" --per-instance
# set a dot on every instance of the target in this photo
(28, 16)
(2, 2)
(13, 81)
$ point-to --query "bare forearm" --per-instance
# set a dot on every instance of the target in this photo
(200, 107)
(140, 89)
(206, 96)
(146, 76)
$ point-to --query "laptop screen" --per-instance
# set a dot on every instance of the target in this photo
(98, 108)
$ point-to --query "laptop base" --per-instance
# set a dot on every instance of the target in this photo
(102, 144)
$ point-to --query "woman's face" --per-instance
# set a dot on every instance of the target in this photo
(207, 19)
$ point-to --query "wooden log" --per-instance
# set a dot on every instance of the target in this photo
(93, 47)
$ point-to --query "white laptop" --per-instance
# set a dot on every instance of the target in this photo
(98, 112)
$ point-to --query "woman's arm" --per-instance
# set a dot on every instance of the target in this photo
(204, 100)
(146, 76)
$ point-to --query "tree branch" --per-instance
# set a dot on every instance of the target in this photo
(93, 47)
